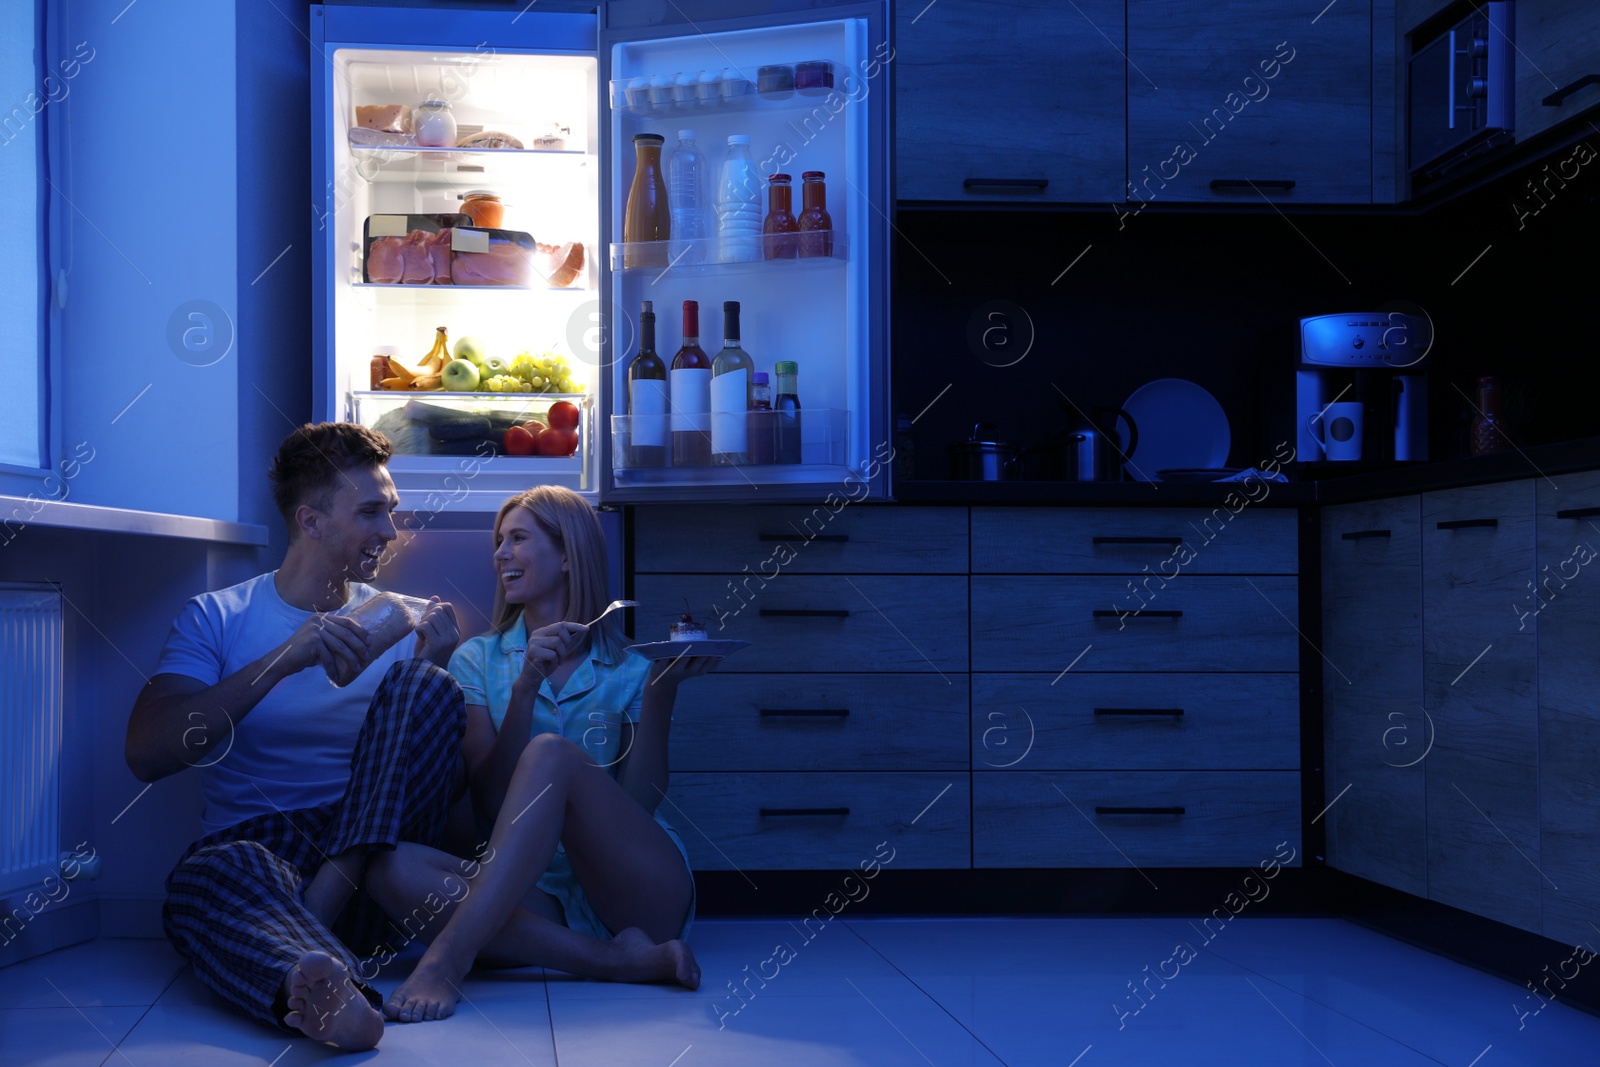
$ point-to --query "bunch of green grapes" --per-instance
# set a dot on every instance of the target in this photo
(545, 373)
(505, 383)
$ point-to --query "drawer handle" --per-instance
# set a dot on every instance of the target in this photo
(1176, 713)
(775, 813)
(1173, 541)
(1006, 183)
(1221, 184)
(1102, 810)
(1114, 614)
(831, 539)
(1468, 524)
(1578, 513)
(795, 713)
(805, 613)
(1362, 535)
(1555, 98)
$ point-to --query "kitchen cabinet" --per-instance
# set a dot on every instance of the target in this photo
(1013, 102)
(1566, 598)
(845, 722)
(1558, 47)
(1376, 737)
(1134, 678)
(1250, 101)
(1479, 666)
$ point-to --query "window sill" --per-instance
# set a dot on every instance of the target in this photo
(17, 511)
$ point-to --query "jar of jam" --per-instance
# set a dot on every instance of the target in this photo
(485, 208)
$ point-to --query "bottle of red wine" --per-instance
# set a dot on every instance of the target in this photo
(647, 398)
(691, 395)
(730, 393)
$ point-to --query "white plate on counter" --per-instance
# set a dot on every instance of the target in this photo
(659, 650)
(1181, 427)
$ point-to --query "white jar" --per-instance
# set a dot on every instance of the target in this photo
(435, 124)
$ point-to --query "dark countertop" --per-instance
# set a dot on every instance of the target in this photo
(1562, 457)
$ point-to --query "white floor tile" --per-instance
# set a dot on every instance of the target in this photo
(104, 973)
(63, 1037)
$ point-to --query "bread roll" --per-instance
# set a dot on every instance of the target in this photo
(386, 618)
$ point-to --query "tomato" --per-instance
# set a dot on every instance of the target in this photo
(556, 442)
(563, 415)
(519, 442)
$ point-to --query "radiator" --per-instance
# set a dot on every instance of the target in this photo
(30, 734)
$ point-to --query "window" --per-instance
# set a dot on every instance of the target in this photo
(23, 99)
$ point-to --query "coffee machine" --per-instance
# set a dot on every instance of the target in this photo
(1377, 359)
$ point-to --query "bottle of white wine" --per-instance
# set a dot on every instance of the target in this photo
(730, 394)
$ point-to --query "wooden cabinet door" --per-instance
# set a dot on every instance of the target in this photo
(1479, 667)
(1230, 103)
(1558, 44)
(1013, 101)
(1376, 734)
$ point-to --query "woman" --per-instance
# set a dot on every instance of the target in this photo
(566, 744)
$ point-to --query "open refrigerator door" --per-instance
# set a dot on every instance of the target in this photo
(811, 100)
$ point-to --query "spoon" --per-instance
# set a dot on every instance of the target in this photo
(613, 606)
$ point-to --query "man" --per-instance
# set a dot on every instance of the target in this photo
(302, 779)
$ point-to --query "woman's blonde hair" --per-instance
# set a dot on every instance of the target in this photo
(571, 524)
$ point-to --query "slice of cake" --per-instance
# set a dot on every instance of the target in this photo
(686, 629)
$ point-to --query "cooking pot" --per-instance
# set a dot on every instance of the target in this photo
(1094, 450)
(982, 458)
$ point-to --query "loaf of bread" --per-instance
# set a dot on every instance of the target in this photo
(386, 618)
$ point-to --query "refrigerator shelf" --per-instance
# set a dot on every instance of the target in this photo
(665, 255)
(409, 163)
(456, 288)
(824, 442)
(707, 92)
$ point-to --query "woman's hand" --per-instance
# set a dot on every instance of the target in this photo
(547, 647)
(438, 633)
(669, 672)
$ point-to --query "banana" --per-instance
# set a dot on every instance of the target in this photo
(401, 371)
(427, 381)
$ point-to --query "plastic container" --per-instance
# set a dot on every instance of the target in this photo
(387, 618)
(776, 82)
(686, 196)
(813, 77)
(739, 204)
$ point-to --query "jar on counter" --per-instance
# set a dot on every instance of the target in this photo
(435, 124)
(484, 207)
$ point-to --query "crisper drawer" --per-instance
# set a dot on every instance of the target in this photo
(821, 722)
(796, 821)
(861, 539)
(814, 623)
(1135, 722)
(1201, 624)
(1165, 542)
(1143, 818)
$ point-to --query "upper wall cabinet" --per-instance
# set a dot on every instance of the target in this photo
(1558, 56)
(1236, 102)
(1010, 102)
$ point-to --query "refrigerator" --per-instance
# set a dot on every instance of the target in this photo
(569, 92)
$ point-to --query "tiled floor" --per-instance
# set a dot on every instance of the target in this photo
(868, 991)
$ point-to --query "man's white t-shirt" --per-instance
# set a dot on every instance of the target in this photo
(293, 749)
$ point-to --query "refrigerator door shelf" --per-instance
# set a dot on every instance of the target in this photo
(824, 450)
(410, 164)
(709, 249)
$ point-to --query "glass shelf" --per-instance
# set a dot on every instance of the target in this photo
(824, 441)
(410, 163)
(660, 255)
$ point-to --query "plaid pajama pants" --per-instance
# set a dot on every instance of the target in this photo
(234, 907)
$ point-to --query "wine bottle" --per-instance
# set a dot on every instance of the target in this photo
(690, 383)
(647, 398)
(787, 406)
(730, 393)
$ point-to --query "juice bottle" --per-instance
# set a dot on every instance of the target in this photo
(647, 224)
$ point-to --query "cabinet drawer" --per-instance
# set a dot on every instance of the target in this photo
(822, 722)
(794, 821)
(1143, 818)
(1483, 837)
(1479, 656)
(1135, 722)
(1166, 542)
(800, 539)
(1199, 624)
(812, 623)
(1568, 589)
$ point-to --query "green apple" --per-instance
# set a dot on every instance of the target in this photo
(470, 349)
(493, 365)
(459, 376)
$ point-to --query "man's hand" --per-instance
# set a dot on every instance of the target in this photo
(438, 633)
(337, 642)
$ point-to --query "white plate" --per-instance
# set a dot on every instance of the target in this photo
(656, 650)
(1181, 426)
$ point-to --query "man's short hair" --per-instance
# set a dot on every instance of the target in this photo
(310, 460)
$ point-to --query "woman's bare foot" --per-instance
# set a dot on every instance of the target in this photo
(431, 992)
(638, 959)
(326, 1006)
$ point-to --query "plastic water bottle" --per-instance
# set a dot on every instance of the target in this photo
(686, 195)
(739, 204)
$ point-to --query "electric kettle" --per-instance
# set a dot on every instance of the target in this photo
(1094, 450)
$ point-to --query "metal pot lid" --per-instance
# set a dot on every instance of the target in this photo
(982, 439)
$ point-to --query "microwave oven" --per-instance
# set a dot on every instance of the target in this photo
(1460, 92)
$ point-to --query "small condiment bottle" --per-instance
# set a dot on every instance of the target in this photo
(816, 227)
(1488, 426)
(485, 208)
(780, 226)
(435, 124)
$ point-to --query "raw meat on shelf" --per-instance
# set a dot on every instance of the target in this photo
(439, 256)
(506, 263)
(418, 258)
(386, 260)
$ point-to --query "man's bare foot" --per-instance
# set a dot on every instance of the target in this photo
(638, 959)
(326, 1006)
(430, 993)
